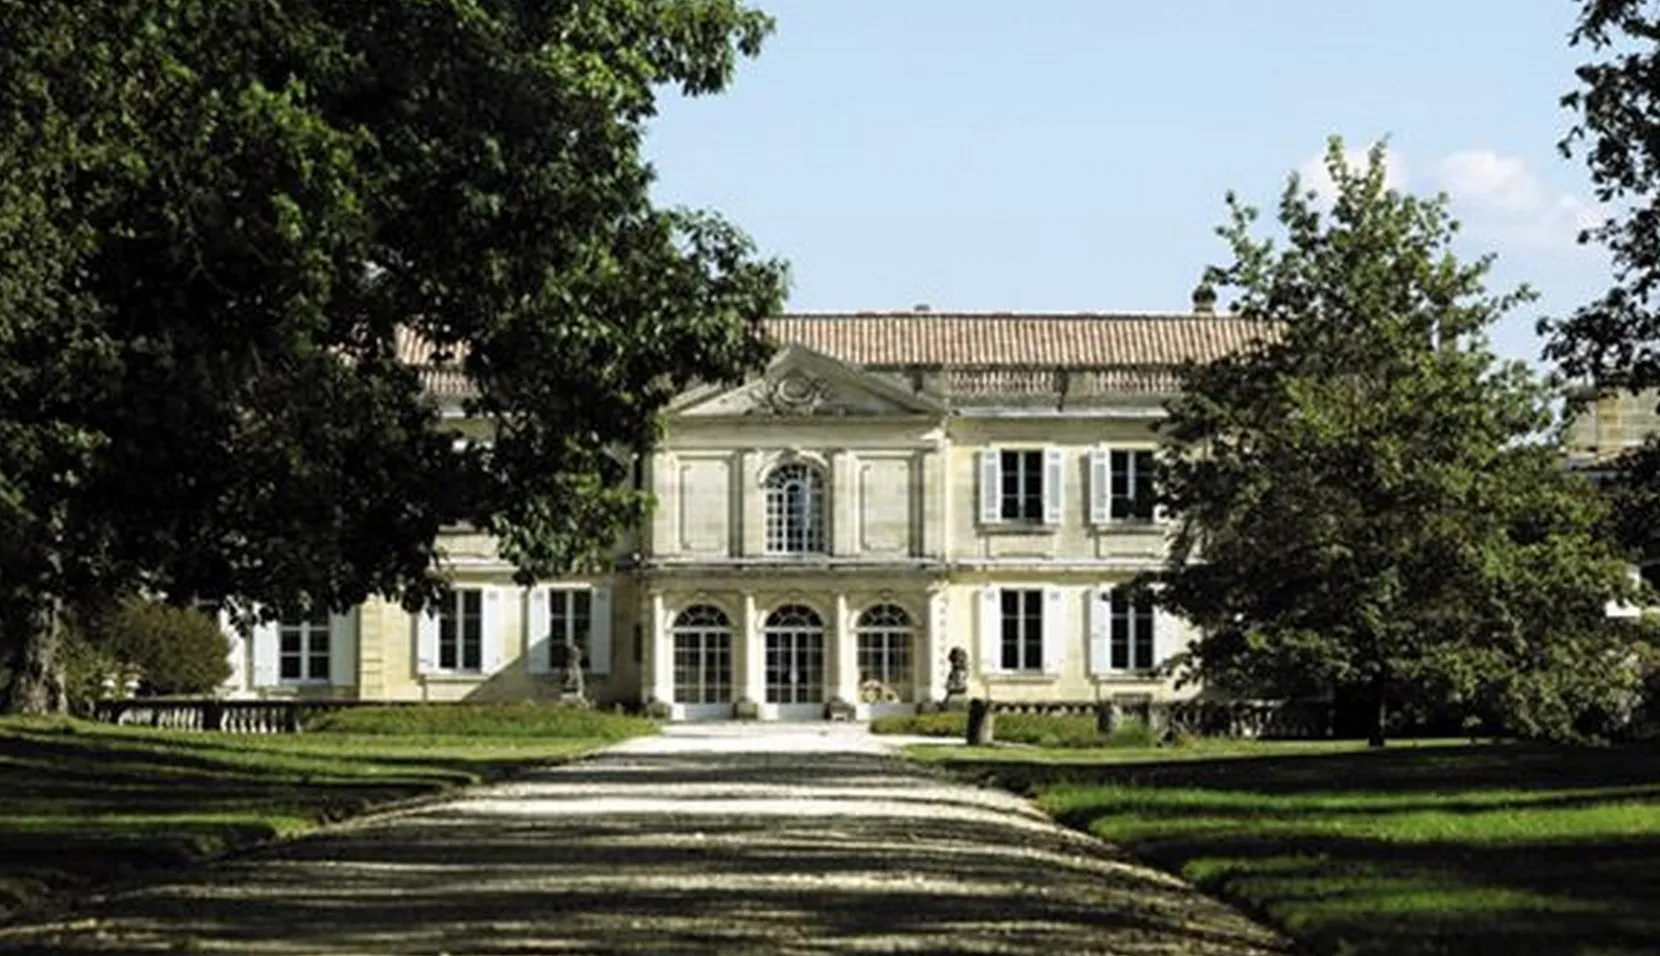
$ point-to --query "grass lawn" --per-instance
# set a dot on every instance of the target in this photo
(1447, 849)
(83, 803)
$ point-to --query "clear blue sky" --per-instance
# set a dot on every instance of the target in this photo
(1072, 155)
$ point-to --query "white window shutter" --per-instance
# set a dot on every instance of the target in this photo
(426, 640)
(1166, 635)
(1100, 631)
(599, 630)
(1054, 486)
(991, 486)
(267, 639)
(1100, 486)
(491, 639)
(539, 655)
(1055, 630)
(343, 649)
(991, 630)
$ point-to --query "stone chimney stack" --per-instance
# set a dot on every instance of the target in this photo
(1204, 300)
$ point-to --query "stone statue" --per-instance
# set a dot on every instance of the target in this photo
(568, 661)
(956, 681)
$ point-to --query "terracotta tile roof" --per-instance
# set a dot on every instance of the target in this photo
(1097, 340)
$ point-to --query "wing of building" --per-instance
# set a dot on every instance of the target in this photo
(894, 488)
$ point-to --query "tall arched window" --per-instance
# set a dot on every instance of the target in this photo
(795, 510)
(702, 656)
(885, 640)
(795, 656)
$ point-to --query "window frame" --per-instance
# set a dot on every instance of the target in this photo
(308, 630)
(1028, 493)
(1020, 635)
(452, 618)
(798, 526)
(562, 625)
(1140, 463)
(1139, 618)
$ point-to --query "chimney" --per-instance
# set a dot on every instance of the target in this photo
(1204, 299)
(921, 307)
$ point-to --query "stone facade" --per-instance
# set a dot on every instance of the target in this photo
(893, 487)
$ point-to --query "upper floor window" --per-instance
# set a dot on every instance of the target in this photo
(1021, 496)
(1132, 485)
(1121, 485)
(1021, 486)
(795, 510)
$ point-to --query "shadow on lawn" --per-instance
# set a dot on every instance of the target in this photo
(641, 853)
(1375, 871)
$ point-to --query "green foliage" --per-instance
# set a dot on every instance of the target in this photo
(1038, 730)
(543, 721)
(1614, 341)
(1362, 497)
(173, 650)
(219, 218)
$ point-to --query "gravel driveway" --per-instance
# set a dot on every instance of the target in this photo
(708, 839)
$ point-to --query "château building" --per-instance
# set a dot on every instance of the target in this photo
(894, 486)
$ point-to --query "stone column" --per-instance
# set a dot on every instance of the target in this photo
(934, 520)
(844, 651)
(659, 663)
(751, 516)
(933, 646)
(843, 504)
(751, 654)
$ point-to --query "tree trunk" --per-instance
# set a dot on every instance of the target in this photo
(1380, 698)
(36, 680)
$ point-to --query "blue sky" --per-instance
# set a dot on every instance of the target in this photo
(1072, 155)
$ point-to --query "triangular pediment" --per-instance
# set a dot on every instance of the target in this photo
(802, 383)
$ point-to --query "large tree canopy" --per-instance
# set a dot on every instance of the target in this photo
(218, 216)
(1361, 504)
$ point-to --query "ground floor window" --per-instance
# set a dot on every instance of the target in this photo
(1132, 630)
(1022, 629)
(303, 651)
(461, 631)
(571, 616)
(885, 637)
(702, 656)
(795, 656)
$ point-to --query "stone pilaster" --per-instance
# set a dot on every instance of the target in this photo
(751, 508)
(843, 504)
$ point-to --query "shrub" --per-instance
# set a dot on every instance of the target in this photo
(484, 720)
(175, 650)
(1040, 730)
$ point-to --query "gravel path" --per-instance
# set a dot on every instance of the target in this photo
(709, 839)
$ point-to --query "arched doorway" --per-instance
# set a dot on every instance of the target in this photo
(886, 644)
(703, 662)
(795, 661)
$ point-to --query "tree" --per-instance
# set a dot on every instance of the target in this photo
(217, 217)
(1614, 341)
(1361, 501)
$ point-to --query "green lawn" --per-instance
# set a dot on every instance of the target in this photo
(84, 803)
(1506, 849)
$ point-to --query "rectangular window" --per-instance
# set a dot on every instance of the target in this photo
(1132, 486)
(1022, 612)
(1132, 631)
(461, 631)
(571, 615)
(1021, 473)
(303, 651)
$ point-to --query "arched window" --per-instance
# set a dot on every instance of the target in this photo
(702, 656)
(885, 636)
(795, 510)
(795, 655)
